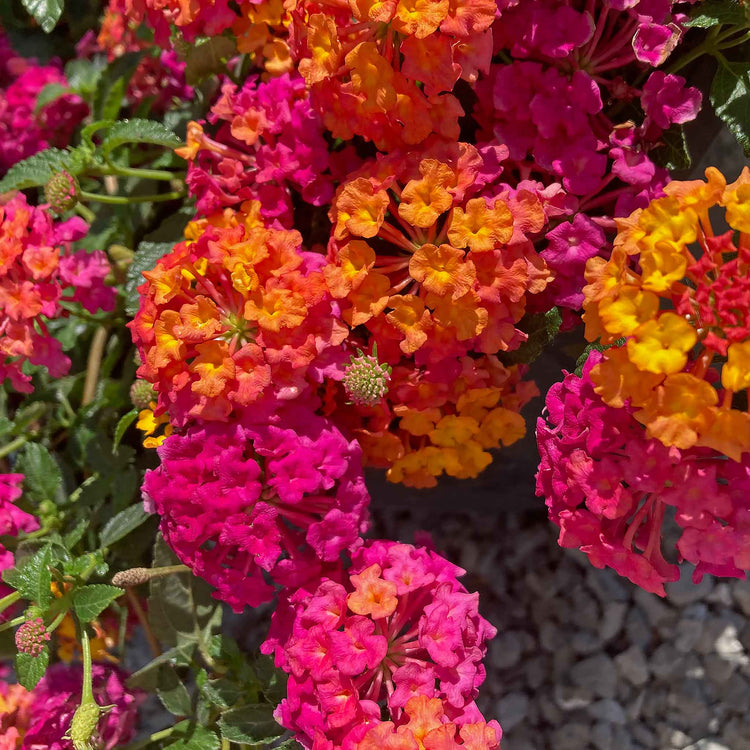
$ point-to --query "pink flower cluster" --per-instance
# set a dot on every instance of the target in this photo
(609, 488)
(158, 82)
(56, 698)
(562, 106)
(24, 127)
(38, 271)
(268, 142)
(395, 625)
(12, 519)
(262, 498)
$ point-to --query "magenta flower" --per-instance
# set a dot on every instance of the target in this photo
(12, 521)
(397, 624)
(666, 99)
(608, 488)
(58, 695)
(256, 500)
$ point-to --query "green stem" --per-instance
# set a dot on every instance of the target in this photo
(87, 695)
(20, 620)
(708, 46)
(123, 200)
(56, 622)
(6, 601)
(85, 213)
(10, 447)
(145, 174)
(155, 737)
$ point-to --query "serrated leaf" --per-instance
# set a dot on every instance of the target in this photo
(82, 75)
(122, 524)
(94, 127)
(112, 85)
(36, 170)
(109, 106)
(222, 692)
(147, 677)
(90, 601)
(46, 12)
(540, 328)
(730, 98)
(31, 669)
(76, 534)
(33, 578)
(172, 693)
(714, 12)
(122, 425)
(43, 478)
(48, 94)
(144, 260)
(193, 737)
(673, 153)
(250, 724)
(139, 131)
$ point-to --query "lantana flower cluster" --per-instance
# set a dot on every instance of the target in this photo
(609, 487)
(237, 311)
(40, 718)
(266, 142)
(39, 270)
(678, 295)
(394, 629)
(27, 126)
(12, 519)
(273, 494)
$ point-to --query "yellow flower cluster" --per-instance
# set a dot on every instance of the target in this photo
(674, 300)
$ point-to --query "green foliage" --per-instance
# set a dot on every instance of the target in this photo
(37, 169)
(711, 13)
(673, 153)
(138, 131)
(46, 12)
(31, 669)
(90, 601)
(540, 328)
(125, 522)
(191, 736)
(42, 475)
(125, 421)
(730, 97)
(32, 577)
(249, 724)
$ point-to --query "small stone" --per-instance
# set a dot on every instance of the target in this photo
(684, 592)
(549, 710)
(623, 740)
(718, 670)
(512, 710)
(633, 665)
(536, 671)
(551, 637)
(733, 693)
(687, 634)
(722, 594)
(602, 736)
(637, 629)
(653, 607)
(643, 735)
(505, 650)
(741, 594)
(666, 662)
(678, 739)
(633, 711)
(609, 711)
(729, 647)
(585, 643)
(707, 744)
(573, 736)
(597, 673)
(570, 698)
(607, 585)
(613, 617)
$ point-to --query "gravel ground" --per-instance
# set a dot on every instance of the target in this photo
(584, 659)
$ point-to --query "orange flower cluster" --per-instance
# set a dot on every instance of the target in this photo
(679, 296)
(234, 312)
(429, 258)
(441, 419)
(385, 70)
(261, 31)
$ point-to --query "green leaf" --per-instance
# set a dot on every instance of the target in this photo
(88, 132)
(46, 12)
(108, 107)
(540, 328)
(222, 692)
(250, 724)
(193, 737)
(172, 693)
(83, 75)
(112, 85)
(36, 170)
(147, 677)
(139, 131)
(48, 94)
(144, 260)
(90, 601)
(122, 425)
(714, 12)
(122, 524)
(33, 579)
(31, 669)
(730, 97)
(673, 152)
(43, 478)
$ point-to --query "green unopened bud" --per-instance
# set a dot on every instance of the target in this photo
(365, 379)
(62, 192)
(142, 393)
(83, 726)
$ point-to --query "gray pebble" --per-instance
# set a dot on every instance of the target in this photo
(613, 617)
(706, 744)
(573, 736)
(607, 585)
(687, 633)
(729, 647)
(505, 650)
(569, 698)
(666, 662)
(602, 736)
(633, 665)
(597, 673)
(684, 592)
(512, 710)
(609, 711)
(637, 629)
(718, 670)
(585, 643)
(654, 608)
(741, 594)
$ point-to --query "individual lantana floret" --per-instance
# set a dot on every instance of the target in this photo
(236, 311)
(608, 487)
(397, 626)
(38, 270)
(384, 71)
(265, 143)
(436, 419)
(425, 252)
(424, 723)
(272, 494)
(680, 297)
